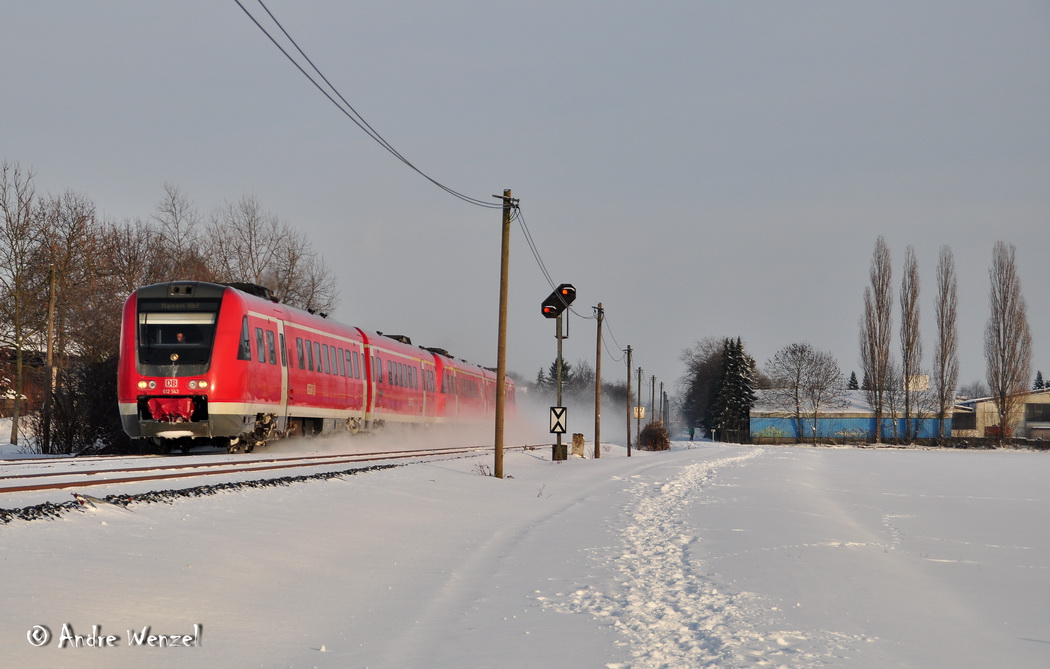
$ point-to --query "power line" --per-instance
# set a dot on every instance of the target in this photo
(346, 108)
(532, 246)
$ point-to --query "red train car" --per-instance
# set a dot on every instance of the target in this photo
(224, 364)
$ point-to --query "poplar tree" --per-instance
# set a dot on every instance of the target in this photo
(875, 328)
(1007, 339)
(945, 355)
(911, 342)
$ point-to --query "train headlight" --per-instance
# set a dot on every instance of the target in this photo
(195, 385)
(147, 384)
(202, 385)
(142, 385)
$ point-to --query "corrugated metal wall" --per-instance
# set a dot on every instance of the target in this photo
(834, 428)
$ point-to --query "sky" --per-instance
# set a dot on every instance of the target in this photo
(707, 555)
(701, 169)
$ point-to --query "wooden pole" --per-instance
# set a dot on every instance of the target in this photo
(501, 347)
(598, 387)
(628, 400)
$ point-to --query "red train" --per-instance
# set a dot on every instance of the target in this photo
(203, 363)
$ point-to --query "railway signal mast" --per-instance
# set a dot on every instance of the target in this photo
(552, 307)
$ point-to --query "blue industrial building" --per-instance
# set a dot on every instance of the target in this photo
(853, 422)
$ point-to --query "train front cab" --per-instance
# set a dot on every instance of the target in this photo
(187, 373)
(168, 334)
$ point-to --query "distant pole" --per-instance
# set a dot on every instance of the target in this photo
(501, 347)
(628, 400)
(638, 416)
(598, 386)
(663, 407)
(652, 398)
(51, 370)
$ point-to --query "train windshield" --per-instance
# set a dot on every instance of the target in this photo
(167, 336)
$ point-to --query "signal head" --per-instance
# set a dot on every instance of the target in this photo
(557, 301)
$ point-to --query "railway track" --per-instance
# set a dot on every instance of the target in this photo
(68, 475)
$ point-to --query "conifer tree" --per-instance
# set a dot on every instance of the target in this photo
(1039, 383)
(853, 384)
(734, 394)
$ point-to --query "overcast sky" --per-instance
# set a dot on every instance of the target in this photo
(701, 168)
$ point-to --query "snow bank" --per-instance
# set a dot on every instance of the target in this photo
(717, 556)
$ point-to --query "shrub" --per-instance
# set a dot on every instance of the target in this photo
(654, 437)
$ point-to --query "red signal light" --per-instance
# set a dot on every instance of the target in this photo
(556, 302)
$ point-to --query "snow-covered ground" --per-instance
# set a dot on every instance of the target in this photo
(710, 555)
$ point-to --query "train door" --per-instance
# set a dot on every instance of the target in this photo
(368, 362)
(284, 362)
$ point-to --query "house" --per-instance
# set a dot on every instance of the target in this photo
(979, 417)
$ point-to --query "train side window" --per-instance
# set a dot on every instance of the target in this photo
(271, 348)
(335, 360)
(357, 367)
(378, 369)
(339, 369)
(348, 364)
(309, 356)
(259, 344)
(317, 356)
(299, 352)
(284, 352)
(244, 351)
(324, 357)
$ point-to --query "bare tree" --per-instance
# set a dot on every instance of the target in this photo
(787, 373)
(893, 395)
(249, 245)
(973, 390)
(180, 234)
(946, 357)
(21, 311)
(703, 362)
(1007, 339)
(135, 255)
(805, 381)
(875, 330)
(244, 241)
(911, 341)
(69, 219)
(301, 276)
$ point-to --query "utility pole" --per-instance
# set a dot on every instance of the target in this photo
(557, 333)
(663, 407)
(638, 415)
(652, 397)
(628, 400)
(501, 347)
(51, 370)
(598, 386)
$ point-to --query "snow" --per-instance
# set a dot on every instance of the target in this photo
(705, 555)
